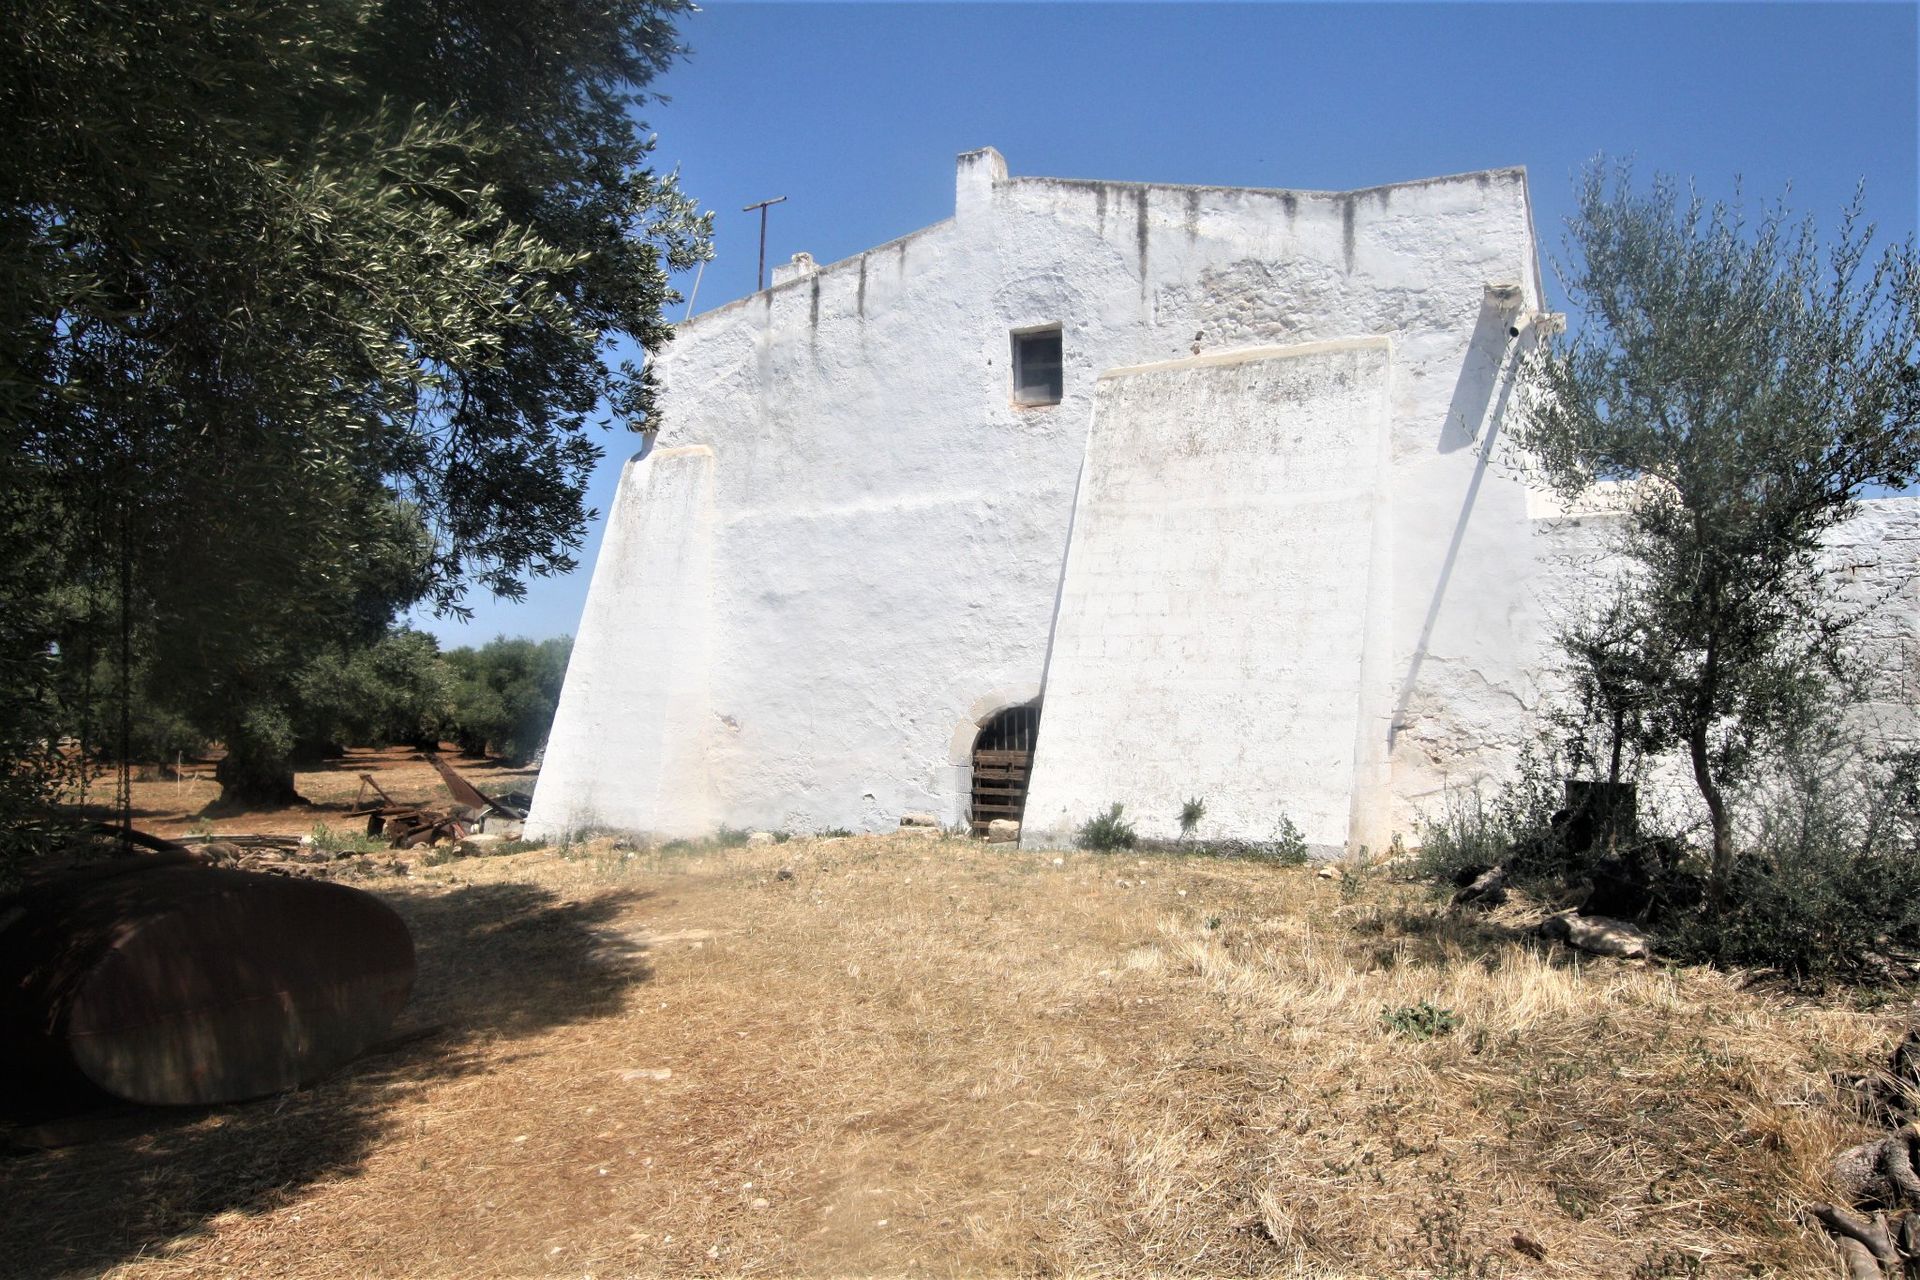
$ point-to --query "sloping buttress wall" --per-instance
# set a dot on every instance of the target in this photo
(1221, 626)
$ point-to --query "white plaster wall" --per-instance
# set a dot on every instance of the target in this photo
(628, 749)
(889, 529)
(1873, 563)
(1213, 625)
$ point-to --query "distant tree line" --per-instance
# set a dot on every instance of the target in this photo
(495, 700)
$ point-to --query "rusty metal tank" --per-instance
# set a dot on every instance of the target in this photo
(168, 981)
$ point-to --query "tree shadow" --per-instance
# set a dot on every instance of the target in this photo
(1426, 933)
(496, 961)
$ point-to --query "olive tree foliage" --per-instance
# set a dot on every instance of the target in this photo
(503, 695)
(1742, 382)
(306, 313)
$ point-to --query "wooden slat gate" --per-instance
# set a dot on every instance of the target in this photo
(1002, 763)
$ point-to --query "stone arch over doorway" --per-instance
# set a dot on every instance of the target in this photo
(993, 752)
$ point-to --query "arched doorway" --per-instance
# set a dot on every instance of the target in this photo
(1002, 764)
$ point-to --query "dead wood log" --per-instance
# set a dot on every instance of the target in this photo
(1869, 1234)
(1908, 1238)
(1488, 889)
(1859, 1175)
(1896, 1161)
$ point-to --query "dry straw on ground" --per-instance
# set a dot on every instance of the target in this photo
(932, 1057)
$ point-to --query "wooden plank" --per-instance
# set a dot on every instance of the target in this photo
(1003, 757)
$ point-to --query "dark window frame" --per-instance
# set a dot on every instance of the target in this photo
(1033, 394)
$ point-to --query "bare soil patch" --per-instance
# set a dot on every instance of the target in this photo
(910, 1056)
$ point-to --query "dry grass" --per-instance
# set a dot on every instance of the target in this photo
(938, 1058)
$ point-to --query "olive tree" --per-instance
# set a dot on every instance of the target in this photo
(307, 314)
(1742, 382)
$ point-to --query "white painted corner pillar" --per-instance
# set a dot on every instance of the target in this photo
(630, 740)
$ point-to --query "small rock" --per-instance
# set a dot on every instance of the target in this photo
(1329, 872)
(1059, 862)
(760, 1202)
(1003, 831)
(761, 837)
(784, 873)
(919, 819)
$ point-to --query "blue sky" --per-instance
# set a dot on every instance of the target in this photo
(855, 112)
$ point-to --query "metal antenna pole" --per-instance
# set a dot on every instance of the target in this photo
(761, 283)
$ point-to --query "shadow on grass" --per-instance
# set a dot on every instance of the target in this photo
(496, 962)
(1418, 927)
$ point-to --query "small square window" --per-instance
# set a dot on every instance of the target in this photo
(1036, 366)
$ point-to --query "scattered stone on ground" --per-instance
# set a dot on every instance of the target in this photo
(761, 837)
(1003, 831)
(920, 820)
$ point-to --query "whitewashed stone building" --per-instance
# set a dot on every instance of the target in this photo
(1161, 492)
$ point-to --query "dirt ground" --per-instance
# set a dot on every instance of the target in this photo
(905, 1057)
(173, 801)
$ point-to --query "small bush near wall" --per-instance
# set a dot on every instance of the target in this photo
(1829, 888)
(1107, 832)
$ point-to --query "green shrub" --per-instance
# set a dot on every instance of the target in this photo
(1107, 832)
(1464, 835)
(1422, 1021)
(1831, 882)
(1288, 846)
(834, 833)
(731, 837)
(1190, 814)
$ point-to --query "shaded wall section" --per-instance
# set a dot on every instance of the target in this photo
(630, 739)
(1218, 633)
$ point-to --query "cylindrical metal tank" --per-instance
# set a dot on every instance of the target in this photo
(166, 981)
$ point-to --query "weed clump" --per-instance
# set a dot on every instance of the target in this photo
(324, 839)
(1286, 847)
(1423, 1021)
(1107, 832)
